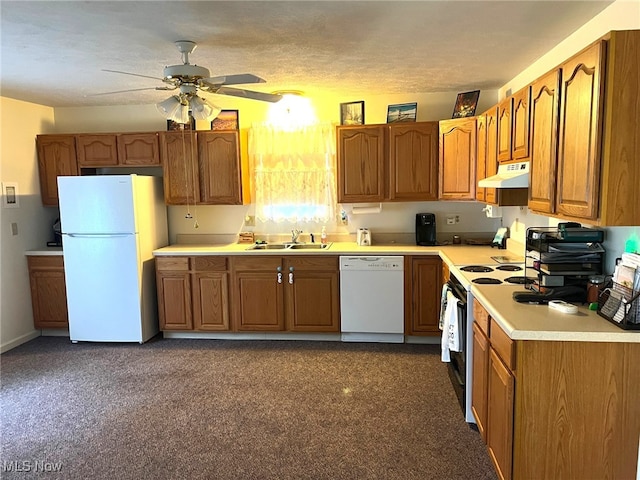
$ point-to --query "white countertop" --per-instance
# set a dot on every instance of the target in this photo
(522, 321)
(45, 252)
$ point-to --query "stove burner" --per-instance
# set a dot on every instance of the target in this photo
(476, 268)
(486, 281)
(520, 280)
(509, 268)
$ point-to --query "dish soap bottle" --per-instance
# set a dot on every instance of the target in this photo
(323, 236)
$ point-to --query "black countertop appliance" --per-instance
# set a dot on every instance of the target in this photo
(425, 229)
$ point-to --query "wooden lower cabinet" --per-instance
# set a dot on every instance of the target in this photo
(423, 286)
(557, 409)
(499, 431)
(193, 293)
(296, 293)
(48, 292)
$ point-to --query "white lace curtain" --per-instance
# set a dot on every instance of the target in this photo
(293, 172)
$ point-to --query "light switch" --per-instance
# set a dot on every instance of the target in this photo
(14, 228)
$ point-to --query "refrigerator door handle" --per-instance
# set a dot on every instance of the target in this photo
(98, 235)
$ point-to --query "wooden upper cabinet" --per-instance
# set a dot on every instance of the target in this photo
(481, 156)
(219, 167)
(521, 118)
(580, 131)
(543, 153)
(112, 150)
(180, 168)
(504, 129)
(413, 161)
(457, 172)
(491, 194)
(98, 150)
(138, 149)
(56, 157)
(361, 163)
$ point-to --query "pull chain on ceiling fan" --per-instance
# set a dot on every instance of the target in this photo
(190, 80)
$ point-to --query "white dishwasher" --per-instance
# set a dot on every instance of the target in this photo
(372, 299)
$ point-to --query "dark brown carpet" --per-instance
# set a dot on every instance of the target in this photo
(186, 409)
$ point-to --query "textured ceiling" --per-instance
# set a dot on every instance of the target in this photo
(53, 52)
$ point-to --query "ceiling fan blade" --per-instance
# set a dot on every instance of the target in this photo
(133, 74)
(238, 79)
(238, 92)
(130, 90)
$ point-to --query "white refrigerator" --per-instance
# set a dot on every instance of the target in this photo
(110, 226)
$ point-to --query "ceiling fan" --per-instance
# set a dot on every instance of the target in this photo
(192, 79)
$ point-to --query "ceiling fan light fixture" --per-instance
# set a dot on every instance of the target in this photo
(202, 109)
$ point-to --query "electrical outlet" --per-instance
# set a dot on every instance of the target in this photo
(457, 218)
(451, 219)
(250, 221)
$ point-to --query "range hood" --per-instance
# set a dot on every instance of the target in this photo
(510, 175)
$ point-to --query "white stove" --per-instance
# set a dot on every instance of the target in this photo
(492, 274)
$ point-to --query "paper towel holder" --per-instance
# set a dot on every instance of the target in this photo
(366, 208)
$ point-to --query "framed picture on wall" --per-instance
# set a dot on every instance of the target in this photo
(402, 112)
(352, 113)
(226, 120)
(171, 125)
(466, 104)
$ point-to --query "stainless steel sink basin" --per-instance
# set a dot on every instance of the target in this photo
(289, 246)
(268, 246)
(309, 246)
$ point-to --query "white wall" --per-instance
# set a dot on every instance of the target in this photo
(621, 15)
(20, 123)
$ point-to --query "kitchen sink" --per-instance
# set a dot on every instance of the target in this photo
(289, 246)
(309, 246)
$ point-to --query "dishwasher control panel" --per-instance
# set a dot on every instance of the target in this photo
(372, 263)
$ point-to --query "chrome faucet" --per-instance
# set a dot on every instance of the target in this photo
(295, 233)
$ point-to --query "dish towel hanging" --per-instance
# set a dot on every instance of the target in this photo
(443, 305)
(451, 330)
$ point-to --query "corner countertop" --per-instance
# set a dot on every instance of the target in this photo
(523, 321)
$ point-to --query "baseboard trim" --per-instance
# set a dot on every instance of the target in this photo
(321, 337)
(5, 347)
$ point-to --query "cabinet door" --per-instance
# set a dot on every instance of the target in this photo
(312, 294)
(491, 194)
(257, 293)
(543, 142)
(504, 130)
(521, 115)
(138, 149)
(458, 159)
(480, 380)
(211, 301)
(219, 168)
(179, 168)
(423, 282)
(56, 157)
(361, 164)
(500, 416)
(48, 292)
(579, 136)
(481, 156)
(413, 161)
(174, 300)
(97, 150)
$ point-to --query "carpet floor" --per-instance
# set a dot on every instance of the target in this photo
(223, 409)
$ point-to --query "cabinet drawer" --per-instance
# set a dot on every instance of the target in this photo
(172, 263)
(251, 263)
(481, 317)
(210, 264)
(502, 344)
(313, 263)
(46, 262)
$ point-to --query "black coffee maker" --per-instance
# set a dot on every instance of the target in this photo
(425, 229)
